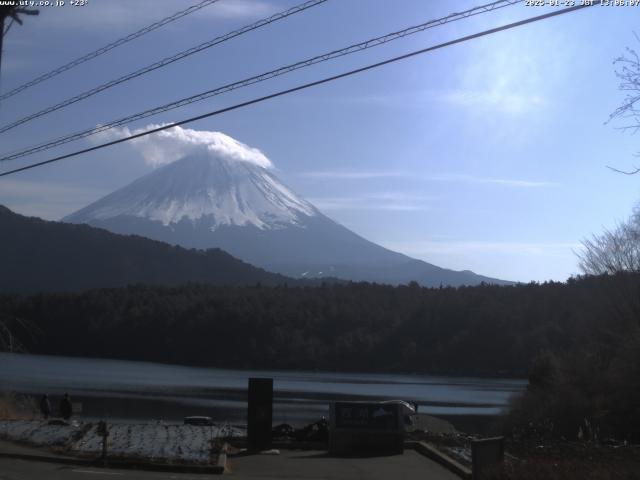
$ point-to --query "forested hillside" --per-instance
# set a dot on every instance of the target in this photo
(486, 330)
(36, 255)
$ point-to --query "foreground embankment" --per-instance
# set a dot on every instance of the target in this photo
(480, 331)
(172, 444)
(150, 441)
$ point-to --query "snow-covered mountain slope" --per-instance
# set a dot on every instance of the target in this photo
(210, 199)
(225, 191)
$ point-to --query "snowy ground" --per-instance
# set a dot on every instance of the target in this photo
(151, 441)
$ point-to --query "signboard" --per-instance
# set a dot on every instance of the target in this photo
(369, 428)
(369, 416)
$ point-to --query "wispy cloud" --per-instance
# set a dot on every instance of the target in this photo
(507, 182)
(461, 247)
(387, 201)
(510, 77)
(507, 101)
(350, 174)
(443, 177)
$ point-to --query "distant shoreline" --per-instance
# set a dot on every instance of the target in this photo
(143, 390)
(459, 375)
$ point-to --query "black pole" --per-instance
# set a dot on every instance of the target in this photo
(2, 15)
(260, 413)
(13, 12)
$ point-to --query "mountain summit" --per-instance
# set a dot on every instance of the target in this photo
(210, 198)
(209, 190)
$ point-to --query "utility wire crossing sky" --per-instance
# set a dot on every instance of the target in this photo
(162, 63)
(301, 87)
(489, 156)
(373, 42)
(106, 48)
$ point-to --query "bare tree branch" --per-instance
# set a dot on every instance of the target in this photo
(631, 172)
(628, 73)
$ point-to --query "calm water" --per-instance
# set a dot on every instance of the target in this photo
(119, 389)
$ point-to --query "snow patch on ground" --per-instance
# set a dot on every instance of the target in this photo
(150, 441)
(36, 432)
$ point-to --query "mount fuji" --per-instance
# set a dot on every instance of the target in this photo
(218, 195)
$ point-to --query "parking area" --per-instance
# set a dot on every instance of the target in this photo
(312, 465)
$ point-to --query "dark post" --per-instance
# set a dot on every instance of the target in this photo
(4, 13)
(487, 456)
(103, 431)
(260, 413)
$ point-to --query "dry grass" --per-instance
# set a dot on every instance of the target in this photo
(552, 460)
(570, 470)
(574, 461)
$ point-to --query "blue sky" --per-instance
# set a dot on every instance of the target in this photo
(489, 156)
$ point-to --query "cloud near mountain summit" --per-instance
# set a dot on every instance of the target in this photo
(175, 143)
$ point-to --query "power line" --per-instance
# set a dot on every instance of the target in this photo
(306, 85)
(106, 48)
(164, 62)
(374, 42)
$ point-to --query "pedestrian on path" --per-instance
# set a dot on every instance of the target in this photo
(65, 407)
(45, 406)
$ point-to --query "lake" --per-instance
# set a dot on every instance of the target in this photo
(127, 390)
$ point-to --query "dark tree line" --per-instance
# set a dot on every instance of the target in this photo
(484, 330)
(578, 342)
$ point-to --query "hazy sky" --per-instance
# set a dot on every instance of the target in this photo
(489, 156)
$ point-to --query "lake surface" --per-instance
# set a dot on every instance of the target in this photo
(126, 390)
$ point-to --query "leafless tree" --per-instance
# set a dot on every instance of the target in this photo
(613, 251)
(616, 253)
(628, 73)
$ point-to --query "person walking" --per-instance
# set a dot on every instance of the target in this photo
(65, 407)
(45, 406)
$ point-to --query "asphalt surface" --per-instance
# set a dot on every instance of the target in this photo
(289, 464)
(316, 465)
(306, 465)
(29, 470)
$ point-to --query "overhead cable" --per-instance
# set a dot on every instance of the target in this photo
(373, 42)
(304, 86)
(106, 48)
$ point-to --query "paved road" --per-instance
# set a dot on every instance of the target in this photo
(24, 470)
(315, 465)
(306, 465)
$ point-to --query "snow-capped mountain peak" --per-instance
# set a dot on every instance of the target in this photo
(204, 187)
(214, 191)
